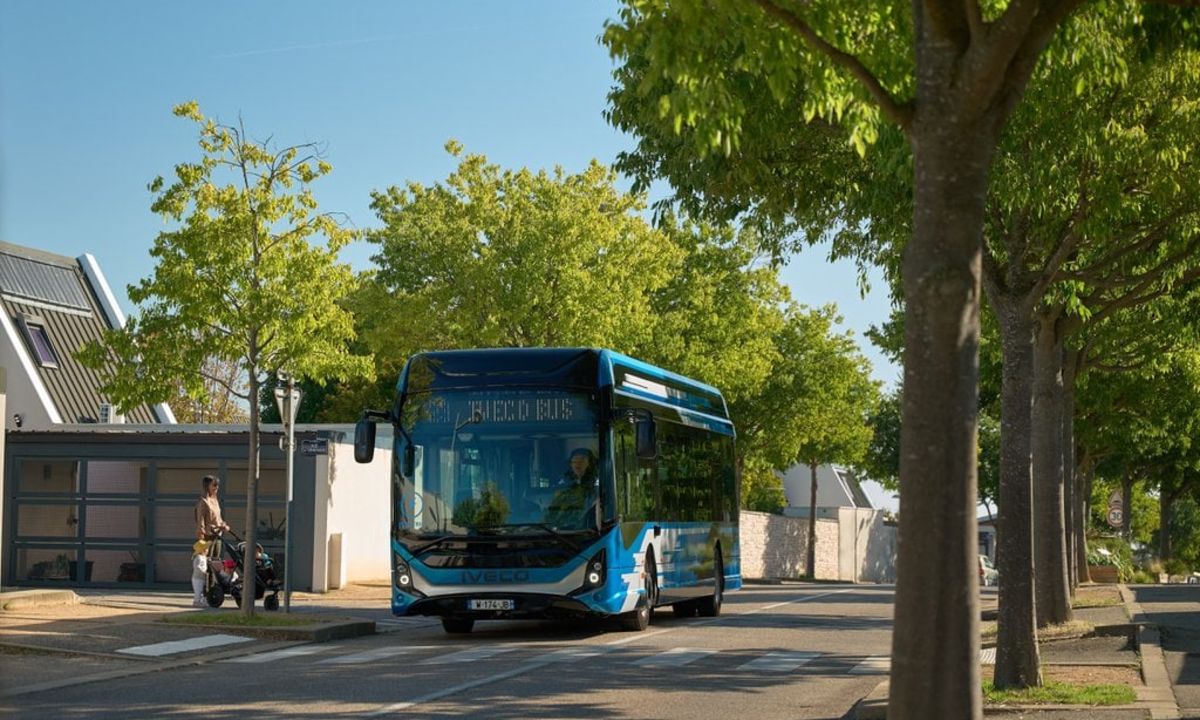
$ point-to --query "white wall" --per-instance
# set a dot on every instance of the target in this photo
(22, 398)
(3, 494)
(352, 501)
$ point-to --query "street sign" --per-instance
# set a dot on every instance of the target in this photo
(281, 401)
(1115, 517)
(315, 446)
(1115, 500)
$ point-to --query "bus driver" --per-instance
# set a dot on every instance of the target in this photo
(574, 491)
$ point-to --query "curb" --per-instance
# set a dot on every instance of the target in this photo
(313, 633)
(1158, 694)
(26, 599)
(874, 706)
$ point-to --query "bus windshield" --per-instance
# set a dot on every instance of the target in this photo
(496, 462)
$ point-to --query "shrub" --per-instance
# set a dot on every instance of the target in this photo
(1142, 577)
(1175, 566)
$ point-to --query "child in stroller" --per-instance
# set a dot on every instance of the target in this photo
(225, 577)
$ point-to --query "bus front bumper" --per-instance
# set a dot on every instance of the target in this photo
(525, 606)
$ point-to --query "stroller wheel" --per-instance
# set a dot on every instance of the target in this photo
(237, 597)
(215, 596)
(271, 603)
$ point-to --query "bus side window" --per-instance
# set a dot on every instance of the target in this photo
(635, 478)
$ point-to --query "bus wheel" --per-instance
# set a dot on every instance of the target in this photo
(457, 626)
(685, 609)
(711, 606)
(639, 619)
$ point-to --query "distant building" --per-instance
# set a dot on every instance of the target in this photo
(52, 306)
(836, 487)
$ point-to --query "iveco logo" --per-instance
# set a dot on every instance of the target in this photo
(495, 576)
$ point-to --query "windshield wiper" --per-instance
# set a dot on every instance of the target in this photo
(545, 528)
(417, 551)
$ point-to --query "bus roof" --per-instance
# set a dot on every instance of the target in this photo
(573, 367)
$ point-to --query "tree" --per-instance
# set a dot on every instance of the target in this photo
(948, 77)
(218, 402)
(835, 406)
(497, 258)
(570, 261)
(238, 282)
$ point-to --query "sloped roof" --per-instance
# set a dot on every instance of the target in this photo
(24, 277)
(51, 291)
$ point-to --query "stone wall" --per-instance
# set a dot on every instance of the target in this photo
(774, 546)
(853, 545)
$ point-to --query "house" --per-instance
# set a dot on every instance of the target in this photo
(52, 306)
(836, 487)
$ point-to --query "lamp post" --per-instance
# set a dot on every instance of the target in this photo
(287, 397)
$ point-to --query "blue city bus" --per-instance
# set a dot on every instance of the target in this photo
(556, 483)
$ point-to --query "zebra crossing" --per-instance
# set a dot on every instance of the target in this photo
(767, 661)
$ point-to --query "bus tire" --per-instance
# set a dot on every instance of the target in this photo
(457, 626)
(639, 619)
(711, 605)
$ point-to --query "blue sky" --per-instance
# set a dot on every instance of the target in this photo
(86, 90)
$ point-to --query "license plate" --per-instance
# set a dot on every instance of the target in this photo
(490, 604)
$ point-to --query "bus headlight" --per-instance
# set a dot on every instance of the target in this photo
(403, 574)
(594, 573)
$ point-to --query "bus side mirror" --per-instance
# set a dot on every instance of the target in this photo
(647, 438)
(364, 440)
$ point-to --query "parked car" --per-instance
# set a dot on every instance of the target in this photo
(988, 574)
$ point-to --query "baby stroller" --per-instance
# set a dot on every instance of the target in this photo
(225, 576)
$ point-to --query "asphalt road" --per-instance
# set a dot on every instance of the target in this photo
(776, 652)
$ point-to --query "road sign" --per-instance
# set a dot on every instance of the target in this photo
(1115, 517)
(281, 394)
(1115, 500)
(315, 446)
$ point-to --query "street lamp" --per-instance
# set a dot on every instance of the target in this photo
(287, 398)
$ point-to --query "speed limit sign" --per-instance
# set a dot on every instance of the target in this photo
(1115, 516)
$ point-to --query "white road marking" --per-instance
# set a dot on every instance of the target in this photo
(377, 654)
(781, 661)
(880, 664)
(675, 657)
(178, 646)
(469, 655)
(437, 694)
(287, 652)
(987, 656)
(571, 654)
(531, 666)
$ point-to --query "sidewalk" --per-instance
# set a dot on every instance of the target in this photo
(54, 638)
(1107, 655)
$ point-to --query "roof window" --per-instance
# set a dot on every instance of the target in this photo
(39, 341)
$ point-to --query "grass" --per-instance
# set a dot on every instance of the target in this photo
(236, 620)
(1096, 602)
(1075, 628)
(1061, 693)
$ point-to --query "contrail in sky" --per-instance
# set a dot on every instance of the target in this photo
(341, 43)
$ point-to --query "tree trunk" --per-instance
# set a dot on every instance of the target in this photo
(1083, 480)
(935, 644)
(1070, 502)
(1017, 662)
(1127, 484)
(1050, 574)
(812, 524)
(1165, 501)
(250, 536)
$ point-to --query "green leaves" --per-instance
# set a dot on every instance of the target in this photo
(238, 281)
